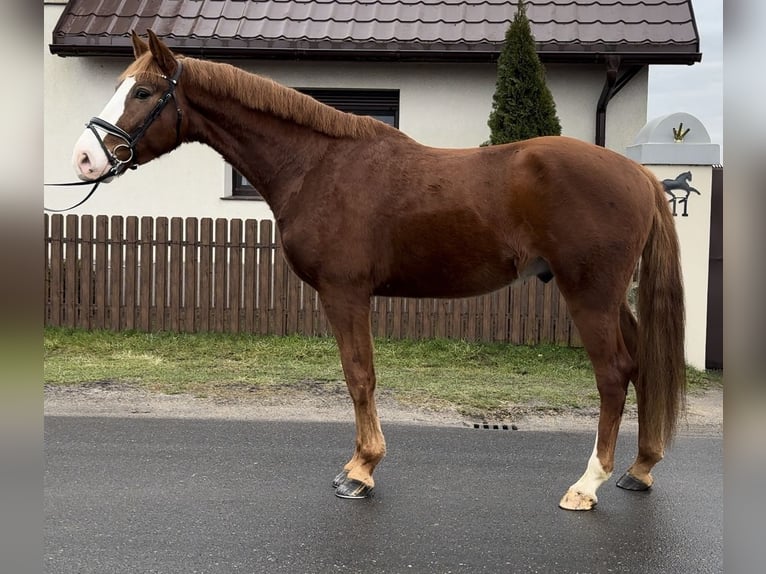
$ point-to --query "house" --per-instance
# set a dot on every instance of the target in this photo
(426, 66)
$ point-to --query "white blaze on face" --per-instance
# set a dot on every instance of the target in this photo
(88, 158)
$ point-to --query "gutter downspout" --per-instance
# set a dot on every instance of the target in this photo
(612, 86)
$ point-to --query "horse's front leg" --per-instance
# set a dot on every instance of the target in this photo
(350, 319)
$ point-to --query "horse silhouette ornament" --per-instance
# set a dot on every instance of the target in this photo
(365, 210)
(680, 183)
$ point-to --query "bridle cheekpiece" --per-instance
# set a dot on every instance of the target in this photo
(131, 140)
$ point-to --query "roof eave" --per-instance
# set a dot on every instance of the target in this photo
(484, 53)
(627, 57)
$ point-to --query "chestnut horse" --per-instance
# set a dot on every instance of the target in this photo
(364, 210)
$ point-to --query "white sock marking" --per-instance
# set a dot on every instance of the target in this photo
(594, 475)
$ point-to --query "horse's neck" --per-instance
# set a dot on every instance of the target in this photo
(272, 153)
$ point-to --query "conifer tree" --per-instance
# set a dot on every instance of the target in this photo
(522, 106)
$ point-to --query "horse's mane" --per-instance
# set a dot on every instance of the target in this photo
(258, 92)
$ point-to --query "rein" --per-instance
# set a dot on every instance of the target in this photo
(95, 183)
(119, 166)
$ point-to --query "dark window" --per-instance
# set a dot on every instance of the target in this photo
(380, 104)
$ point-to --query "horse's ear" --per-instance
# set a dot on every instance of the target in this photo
(162, 54)
(139, 46)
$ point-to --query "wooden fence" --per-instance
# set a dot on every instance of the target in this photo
(188, 275)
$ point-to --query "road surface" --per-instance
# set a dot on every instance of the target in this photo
(170, 495)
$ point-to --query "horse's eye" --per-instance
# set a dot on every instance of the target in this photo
(142, 93)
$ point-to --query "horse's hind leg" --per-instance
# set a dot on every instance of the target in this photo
(350, 319)
(650, 445)
(613, 366)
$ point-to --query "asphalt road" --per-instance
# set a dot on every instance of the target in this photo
(185, 496)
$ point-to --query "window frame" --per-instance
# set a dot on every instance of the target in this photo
(382, 104)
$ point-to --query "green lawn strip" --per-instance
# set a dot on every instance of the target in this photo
(472, 377)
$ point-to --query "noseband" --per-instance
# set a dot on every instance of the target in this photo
(131, 140)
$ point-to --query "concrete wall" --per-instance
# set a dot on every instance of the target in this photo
(444, 105)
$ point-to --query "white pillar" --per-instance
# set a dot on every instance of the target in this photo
(677, 149)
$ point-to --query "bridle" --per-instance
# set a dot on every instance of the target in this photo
(130, 140)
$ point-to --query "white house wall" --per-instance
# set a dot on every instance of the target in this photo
(444, 105)
(626, 114)
(576, 90)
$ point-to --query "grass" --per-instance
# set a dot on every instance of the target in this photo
(475, 378)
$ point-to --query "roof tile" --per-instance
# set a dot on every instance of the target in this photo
(645, 28)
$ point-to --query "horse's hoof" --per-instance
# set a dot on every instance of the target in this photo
(574, 500)
(630, 482)
(338, 480)
(351, 488)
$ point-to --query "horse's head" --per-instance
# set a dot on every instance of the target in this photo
(142, 121)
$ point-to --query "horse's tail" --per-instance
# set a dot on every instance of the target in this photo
(661, 359)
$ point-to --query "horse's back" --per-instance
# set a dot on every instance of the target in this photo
(542, 191)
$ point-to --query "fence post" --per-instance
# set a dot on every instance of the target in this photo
(174, 276)
(86, 272)
(56, 281)
(131, 265)
(205, 272)
(221, 277)
(102, 271)
(71, 274)
(265, 276)
(250, 270)
(235, 275)
(190, 276)
(145, 269)
(161, 274)
(115, 273)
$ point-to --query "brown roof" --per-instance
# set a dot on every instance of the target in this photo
(642, 31)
